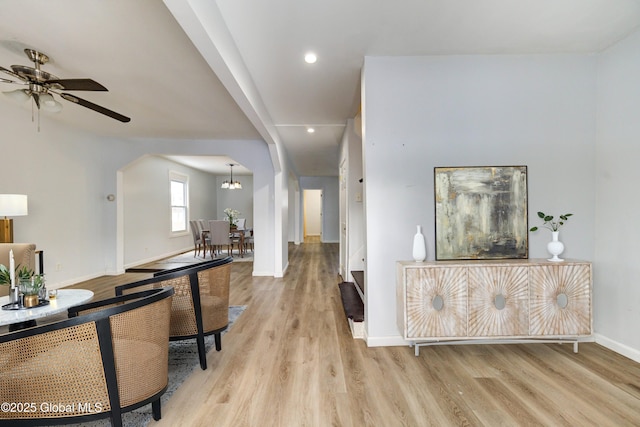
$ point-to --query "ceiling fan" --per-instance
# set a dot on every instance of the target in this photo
(40, 86)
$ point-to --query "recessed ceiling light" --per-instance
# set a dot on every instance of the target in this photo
(310, 58)
(311, 130)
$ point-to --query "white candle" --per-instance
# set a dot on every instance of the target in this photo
(12, 269)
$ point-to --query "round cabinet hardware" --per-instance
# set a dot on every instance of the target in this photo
(437, 303)
(500, 302)
(562, 300)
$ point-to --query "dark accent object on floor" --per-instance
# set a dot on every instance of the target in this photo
(200, 306)
(353, 305)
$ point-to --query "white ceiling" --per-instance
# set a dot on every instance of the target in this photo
(262, 88)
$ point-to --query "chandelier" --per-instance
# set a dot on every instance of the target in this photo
(231, 184)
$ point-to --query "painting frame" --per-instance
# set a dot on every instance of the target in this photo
(481, 212)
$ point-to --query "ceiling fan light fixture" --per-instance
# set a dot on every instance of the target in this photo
(54, 107)
(43, 85)
(19, 95)
(48, 103)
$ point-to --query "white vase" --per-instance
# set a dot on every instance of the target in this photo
(419, 247)
(555, 247)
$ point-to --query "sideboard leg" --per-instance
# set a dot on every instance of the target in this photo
(575, 347)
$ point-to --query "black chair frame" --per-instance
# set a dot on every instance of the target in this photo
(103, 327)
(191, 271)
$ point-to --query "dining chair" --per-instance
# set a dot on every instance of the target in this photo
(247, 235)
(200, 306)
(107, 358)
(197, 238)
(219, 235)
(248, 239)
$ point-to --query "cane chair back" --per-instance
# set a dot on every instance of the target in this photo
(200, 305)
(98, 363)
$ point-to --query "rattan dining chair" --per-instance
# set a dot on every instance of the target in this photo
(200, 305)
(108, 358)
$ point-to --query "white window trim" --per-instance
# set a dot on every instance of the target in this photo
(180, 177)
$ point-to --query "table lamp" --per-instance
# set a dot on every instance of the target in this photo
(11, 205)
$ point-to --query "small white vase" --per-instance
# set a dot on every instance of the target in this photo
(419, 247)
(555, 247)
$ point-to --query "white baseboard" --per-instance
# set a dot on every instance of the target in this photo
(631, 353)
(390, 341)
(262, 273)
(64, 284)
(357, 329)
(157, 258)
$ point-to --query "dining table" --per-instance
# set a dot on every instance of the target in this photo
(21, 318)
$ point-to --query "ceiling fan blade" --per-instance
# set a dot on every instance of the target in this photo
(12, 74)
(75, 84)
(95, 107)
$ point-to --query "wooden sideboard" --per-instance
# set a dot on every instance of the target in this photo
(446, 302)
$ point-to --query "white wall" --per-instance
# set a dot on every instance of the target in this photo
(67, 174)
(147, 217)
(240, 200)
(422, 112)
(351, 153)
(254, 155)
(64, 173)
(330, 204)
(616, 271)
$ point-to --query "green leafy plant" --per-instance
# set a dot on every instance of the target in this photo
(22, 273)
(5, 276)
(550, 223)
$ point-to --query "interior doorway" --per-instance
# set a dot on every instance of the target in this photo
(312, 200)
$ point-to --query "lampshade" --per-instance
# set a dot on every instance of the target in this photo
(19, 95)
(13, 205)
(47, 103)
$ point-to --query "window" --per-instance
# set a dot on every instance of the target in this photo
(179, 187)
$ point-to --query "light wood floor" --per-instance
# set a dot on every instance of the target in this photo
(290, 360)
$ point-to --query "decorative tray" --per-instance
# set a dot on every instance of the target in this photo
(17, 306)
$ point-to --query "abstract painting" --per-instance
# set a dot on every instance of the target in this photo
(481, 212)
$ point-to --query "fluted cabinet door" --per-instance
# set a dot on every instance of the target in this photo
(498, 301)
(436, 302)
(560, 299)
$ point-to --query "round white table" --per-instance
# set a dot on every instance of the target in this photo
(66, 298)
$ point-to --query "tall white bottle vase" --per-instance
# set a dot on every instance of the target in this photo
(419, 246)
